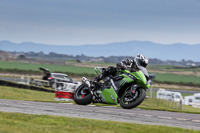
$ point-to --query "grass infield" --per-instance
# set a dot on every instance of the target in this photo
(25, 123)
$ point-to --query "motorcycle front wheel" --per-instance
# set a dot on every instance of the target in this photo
(131, 100)
(82, 95)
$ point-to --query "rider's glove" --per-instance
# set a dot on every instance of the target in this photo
(121, 65)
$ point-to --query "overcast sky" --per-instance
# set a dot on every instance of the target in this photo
(77, 22)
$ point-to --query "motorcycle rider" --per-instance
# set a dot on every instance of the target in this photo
(137, 63)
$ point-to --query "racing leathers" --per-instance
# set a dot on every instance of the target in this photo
(111, 70)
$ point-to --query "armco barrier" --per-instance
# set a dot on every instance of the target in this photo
(24, 86)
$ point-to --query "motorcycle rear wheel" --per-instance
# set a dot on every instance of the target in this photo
(131, 100)
(82, 95)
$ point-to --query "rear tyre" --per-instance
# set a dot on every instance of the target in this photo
(82, 95)
(131, 100)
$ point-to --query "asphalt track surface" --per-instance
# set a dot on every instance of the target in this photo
(151, 117)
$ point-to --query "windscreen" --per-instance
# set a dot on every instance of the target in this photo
(144, 70)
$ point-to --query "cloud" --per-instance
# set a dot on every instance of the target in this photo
(38, 20)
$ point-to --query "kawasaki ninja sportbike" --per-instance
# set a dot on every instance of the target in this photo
(126, 88)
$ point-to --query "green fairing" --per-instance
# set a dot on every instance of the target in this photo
(107, 95)
(141, 79)
(148, 85)
(126, 78)
(125, 71)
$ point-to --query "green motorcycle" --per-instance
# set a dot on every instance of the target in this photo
(126, 88)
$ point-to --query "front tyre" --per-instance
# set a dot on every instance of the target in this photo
(131, 100)
(82, 95)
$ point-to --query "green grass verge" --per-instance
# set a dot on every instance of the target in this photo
(52, 68)
(165, 105)
(25, 123)
(23, 94)
(175, 78)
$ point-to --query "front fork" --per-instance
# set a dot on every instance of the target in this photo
(133, 88)
(133, 91)
(87, 82)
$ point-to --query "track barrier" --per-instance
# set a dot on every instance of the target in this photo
(24, 86)
(64, 91)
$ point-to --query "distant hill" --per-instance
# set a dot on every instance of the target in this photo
(176, 51)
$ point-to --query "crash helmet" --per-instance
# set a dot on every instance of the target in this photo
(141, 61)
